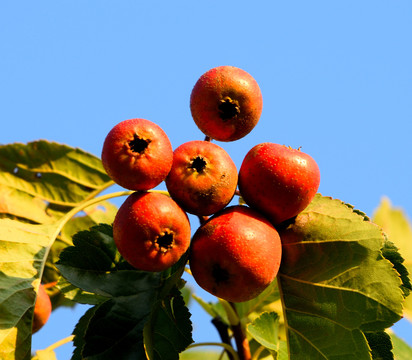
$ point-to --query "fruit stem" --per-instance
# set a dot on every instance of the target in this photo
(208, 138)
(203, 219)
(225, 346)
(242, 343)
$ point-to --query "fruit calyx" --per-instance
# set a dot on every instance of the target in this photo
(164, 241)
(228, 108)
(220, 274)
(138, 145)
(198, 164)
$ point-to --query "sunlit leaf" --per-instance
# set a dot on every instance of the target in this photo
(264, 330)
(51, 172)
(398, 227)
(401, 349)
(335, 282)
(39, 183)
(23, 249)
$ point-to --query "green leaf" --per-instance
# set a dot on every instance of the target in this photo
(391, 253)
(335, 282)
(398, 227)
(264, 330)
(115, 328)
(94, 265)
(214, 309)
(41, 181)
(79, 333)
(39, 184)
(23, 249)
(77, 295)
(401, 349)
(268, 300)
(381, 345)
(49, 173)
(169, 330)
(103, 212)
(126, 300)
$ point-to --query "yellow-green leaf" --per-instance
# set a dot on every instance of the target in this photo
(398, 227)
(335, 283)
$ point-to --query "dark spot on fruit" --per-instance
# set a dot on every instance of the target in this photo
(199, 164)
(164, 242)
(228, 108)
(138, 145)
(219, 274)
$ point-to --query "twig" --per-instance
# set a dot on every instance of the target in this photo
(222, 329)
(242, 343)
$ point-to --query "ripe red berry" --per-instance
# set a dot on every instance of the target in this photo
(137, 154)
(236, 254)
(151, 231)
(203, 178)
(278, 181)
(226, 103)
(42, 309)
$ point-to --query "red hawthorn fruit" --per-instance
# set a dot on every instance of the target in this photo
(278, 181)
(203, 178)
(137, 154)
(42, 309)
(236, 254)
(226, 103)
(151, 231)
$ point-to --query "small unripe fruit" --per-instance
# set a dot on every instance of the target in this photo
(151, 231)
(42, 309)
(203, 178)
(226, 103)
(278, 181)
(137, 154)
(236, 254)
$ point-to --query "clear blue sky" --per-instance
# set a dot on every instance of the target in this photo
(336, 79)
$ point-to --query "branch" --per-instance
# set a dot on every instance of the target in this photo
(242, 343)
(222, 329)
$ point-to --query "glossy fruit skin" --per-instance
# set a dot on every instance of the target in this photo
(236, 254)
(226, 103)
(203, 178)
(151, 231)
(278, 181)
(137, 154)
(42, 309)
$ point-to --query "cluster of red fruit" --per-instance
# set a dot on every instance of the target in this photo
(235, 254)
